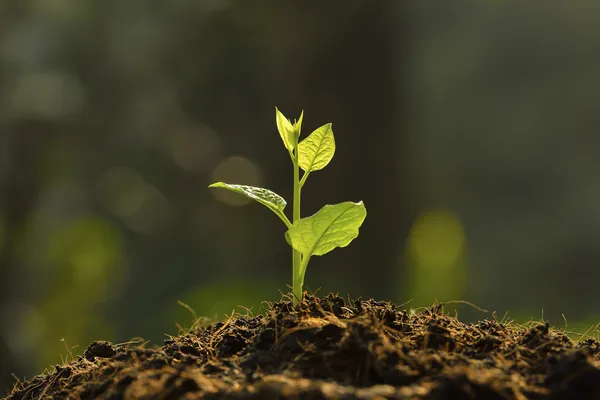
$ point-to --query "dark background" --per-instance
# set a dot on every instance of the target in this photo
(470, 130)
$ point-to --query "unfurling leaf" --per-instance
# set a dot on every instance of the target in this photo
(289, 133)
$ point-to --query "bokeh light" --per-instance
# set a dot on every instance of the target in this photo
(196, 148)
(237, 170)
(435, 258)
(436, 240)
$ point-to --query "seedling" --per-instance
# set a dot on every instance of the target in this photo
(330, 227)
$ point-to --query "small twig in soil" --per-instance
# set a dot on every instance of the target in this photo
(463, 302)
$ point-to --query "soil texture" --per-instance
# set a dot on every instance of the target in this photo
(331, 348)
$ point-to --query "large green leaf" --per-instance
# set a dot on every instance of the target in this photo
(315, 152)
(267, 198)
(332, 226)
(289, 132)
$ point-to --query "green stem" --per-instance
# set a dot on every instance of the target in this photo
(298, 277)
(304, 177)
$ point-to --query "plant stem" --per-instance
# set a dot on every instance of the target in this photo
(298, 279)
(304, 177)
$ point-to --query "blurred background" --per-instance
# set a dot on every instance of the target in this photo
(469, 129)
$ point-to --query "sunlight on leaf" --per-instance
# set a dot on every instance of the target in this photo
(264, 196)
(267, 198)
(332, 226)
(316, 151)
(286, 130)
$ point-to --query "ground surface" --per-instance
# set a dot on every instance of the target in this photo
(330, 348)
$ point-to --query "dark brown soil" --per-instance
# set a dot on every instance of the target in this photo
(330, 348)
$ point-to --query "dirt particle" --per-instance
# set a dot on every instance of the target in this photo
(101, 349)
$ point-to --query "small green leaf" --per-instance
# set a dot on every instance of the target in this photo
(315, 152)
(332, 226)
(267, 198)
(263, 196)
(289, 134)
(298, 124)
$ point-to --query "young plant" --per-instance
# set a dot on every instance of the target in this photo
(330, 227)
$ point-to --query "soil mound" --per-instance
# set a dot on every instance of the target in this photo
(330, 348)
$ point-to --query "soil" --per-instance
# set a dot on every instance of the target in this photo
(331, 348)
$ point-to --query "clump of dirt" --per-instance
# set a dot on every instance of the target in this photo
(330, 348)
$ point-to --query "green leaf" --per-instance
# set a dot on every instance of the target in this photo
(315, 152)
(267, 198)
(298, 124)
(288, 132)
(332, 226)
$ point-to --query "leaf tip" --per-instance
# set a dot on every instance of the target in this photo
(362, 205)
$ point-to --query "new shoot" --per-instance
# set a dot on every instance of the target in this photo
(330, 227)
